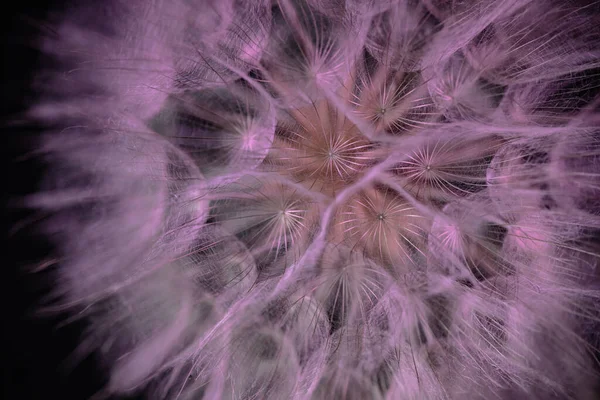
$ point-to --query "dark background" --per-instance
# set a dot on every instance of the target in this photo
(35, 350)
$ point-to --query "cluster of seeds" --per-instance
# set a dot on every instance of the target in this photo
(330, 199)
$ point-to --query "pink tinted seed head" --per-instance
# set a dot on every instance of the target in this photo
(328, 199)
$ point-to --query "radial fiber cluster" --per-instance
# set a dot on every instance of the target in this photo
(327, 199)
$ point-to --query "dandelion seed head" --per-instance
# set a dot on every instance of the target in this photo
(328, 199)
